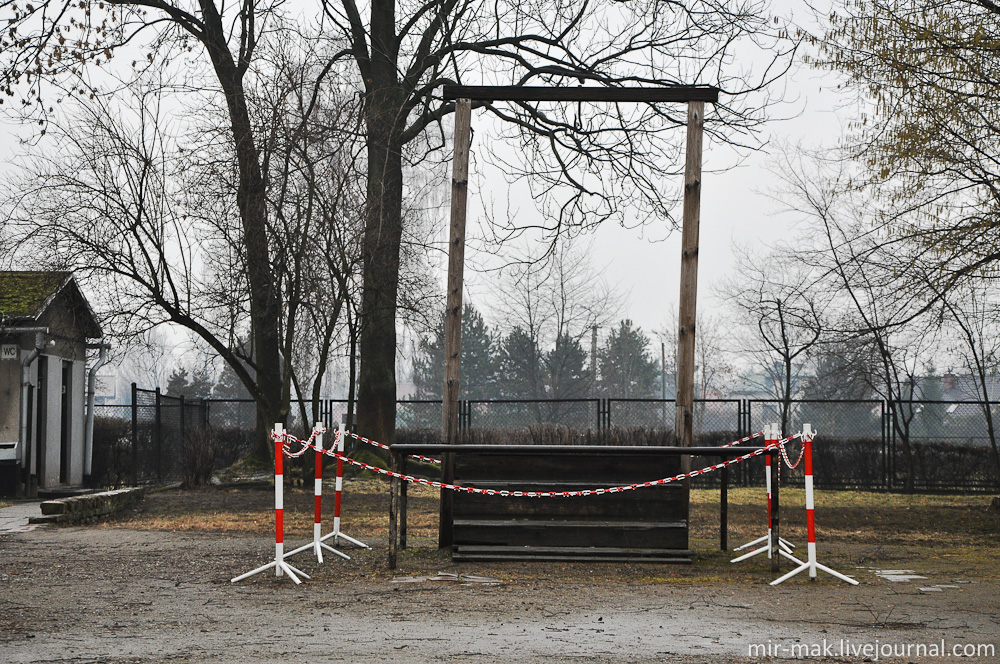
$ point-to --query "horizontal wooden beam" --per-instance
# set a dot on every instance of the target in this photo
(666, 93)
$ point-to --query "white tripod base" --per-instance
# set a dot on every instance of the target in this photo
(784, 546)
(317, 546)
(279, 567)
(337, 535)
(763, 538)
(812, 566)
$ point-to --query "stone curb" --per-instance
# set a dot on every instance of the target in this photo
(91, 507)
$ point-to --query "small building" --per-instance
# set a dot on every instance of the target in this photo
(45, 325)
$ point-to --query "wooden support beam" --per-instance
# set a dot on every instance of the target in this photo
(394, 483)
(724, 509)
(668, 93)
(402, 502)
(453, 311)
(684, 415)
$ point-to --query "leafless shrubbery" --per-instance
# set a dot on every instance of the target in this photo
(198, 458)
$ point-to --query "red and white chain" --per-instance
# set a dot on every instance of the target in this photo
(743, 440)
(386, 447)
(784, 454)
(306, 444)
(556, 494)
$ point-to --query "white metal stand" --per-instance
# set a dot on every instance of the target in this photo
(317, 545)
(807, 437)
(279, 564)
(337, 535)
(771, 436)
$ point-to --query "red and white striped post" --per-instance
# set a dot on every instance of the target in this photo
(317, 545)
(807, 437)
(279, 564)
(772, 434)
(338, 490)
(318, 493)
(279, 497)
(770, 439)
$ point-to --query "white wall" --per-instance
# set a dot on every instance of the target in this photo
(77, 414)
(49, 476)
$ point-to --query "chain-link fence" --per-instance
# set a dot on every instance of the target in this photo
(851, 448)
(863, 444)
(943, 445)
(517, 414)
(156, 438)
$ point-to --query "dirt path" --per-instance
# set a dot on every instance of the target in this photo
(119, 595)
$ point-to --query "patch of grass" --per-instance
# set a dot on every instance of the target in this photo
(858, 516)
(953, 535)
(3, 504)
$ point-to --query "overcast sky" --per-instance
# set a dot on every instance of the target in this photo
(736, 208)
(736, 204)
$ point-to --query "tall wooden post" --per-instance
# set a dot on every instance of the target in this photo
(684, 415)
(453, 312)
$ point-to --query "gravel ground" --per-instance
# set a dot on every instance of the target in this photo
(154, 586)
(120, 595)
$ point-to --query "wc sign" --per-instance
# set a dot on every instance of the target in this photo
(8, 352)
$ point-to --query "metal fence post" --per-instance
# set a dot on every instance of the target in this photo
(159, 435)
(135, 436)
(181, 441)
(885, 448)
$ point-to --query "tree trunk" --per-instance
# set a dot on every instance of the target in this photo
(265, 307)
(380, 252)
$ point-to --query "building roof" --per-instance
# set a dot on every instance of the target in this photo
(25, 297)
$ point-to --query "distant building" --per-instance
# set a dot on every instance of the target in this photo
(45, 324)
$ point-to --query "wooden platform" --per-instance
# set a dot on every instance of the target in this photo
(646, 525)
(643, 525)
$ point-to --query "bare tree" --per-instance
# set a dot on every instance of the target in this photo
(156, 226)
(59, 41)
(546, 312)
(714, 369)
(875, 276)
(778, 310)
(973, 313)
(587, 162)
(561, 297)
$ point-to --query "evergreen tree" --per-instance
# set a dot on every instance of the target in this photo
(520, 367)
(177, 382)
(229, 385)
(568, 378)
(627, 369)
(190, 384)
(479, 360)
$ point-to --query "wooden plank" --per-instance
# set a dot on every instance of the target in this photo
(572, 554)
(590, 471)
(667, 93)
(393, 510)
(579, 550)
(402, 503)
(623, 523)
(649, 504)
(461, 557)
(453, 310)
(666, 535)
